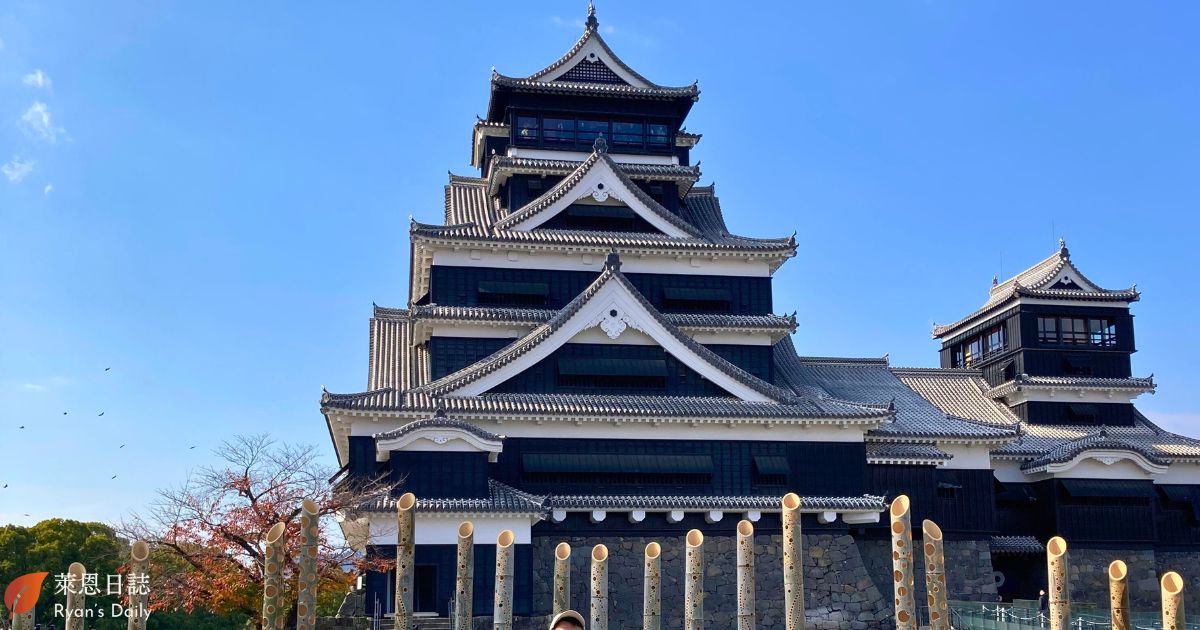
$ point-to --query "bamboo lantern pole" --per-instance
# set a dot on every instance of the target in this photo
(1060, 583)
(502, 614)
(1172, 601)
(310, 536)
(599, 616)
(902, 563)
(651, 590)
(1118, 594)
(139, 605)
(272, 612)
(745, 575)
(406, 550)
(75, 597)
(464, 581)
(562, 577)
(693, 593)
(935, 576)
(793, 563)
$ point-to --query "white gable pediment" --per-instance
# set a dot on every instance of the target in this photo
(614, 311)
(437, 438)
(601, 184)
(593, 51)
(1069, 278)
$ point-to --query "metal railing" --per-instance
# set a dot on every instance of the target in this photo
(979, 616)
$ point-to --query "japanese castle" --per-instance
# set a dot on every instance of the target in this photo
(587, 354)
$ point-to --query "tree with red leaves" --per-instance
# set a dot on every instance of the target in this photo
(208, 535)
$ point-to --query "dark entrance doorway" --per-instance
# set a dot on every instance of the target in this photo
(425, 595)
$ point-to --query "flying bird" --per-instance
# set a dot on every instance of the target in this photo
(121, 446)
(107, 369)
(64, 413)
(101, 414)
(191, 448)
(114, 476)
(5, 485)
(22, 426)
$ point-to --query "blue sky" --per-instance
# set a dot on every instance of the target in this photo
(207, 197)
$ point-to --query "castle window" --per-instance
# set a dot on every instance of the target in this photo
(972, 351)
(659, 134)
(1048, 329)
(527, 129)
(770, 470)
(689, 299)
(994, 340)
(513, 293)
(628, 134)
(589, 130)
(1103, 332)
(559, 130)
(1074, 330)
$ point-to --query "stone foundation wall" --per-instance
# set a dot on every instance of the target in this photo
(839, 594)
(1089, 577)
(968, 570)
(1187, 564)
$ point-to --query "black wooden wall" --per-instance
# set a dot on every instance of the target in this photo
(459, 286)
(443, 560)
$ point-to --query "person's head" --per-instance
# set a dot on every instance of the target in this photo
(567, 620)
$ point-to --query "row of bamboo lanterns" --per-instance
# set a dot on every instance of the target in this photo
(906, 611)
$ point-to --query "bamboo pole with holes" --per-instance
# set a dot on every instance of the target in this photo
(139, 595)
(902, 563)
(310, 537)
(651, 588)
(406, 508)
(599, 610)
(745, 575)
(464, 579)
(1118, 594)
(1172, 601)
(1058, 577)
(935, 576)
(76, 597)
(23, 621)
(562, 578)
(793, 563)
(272, 611)
(502, 614)
(693, 585)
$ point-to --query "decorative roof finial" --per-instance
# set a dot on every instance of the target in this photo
(613, 261)
(600, 145)
(440, 410)
(1063, 252)
(995, 280)
(592, 22)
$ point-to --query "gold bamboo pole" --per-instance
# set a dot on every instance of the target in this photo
(464, 581)
(502, 615)
(139, 604)
(651, 591)
(1172, 601)
(1058, 572)
(76, 597)
(902, 563)
(273, 616)
(406, 550)
(745, 575)
(310, 536)
(793, 563)
(935, 576)
(693, 586)
(599, 588)
(562, 577)
(1118, 594)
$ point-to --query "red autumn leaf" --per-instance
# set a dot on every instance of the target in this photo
(22, 594)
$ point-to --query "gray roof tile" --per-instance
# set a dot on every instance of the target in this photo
(501, 499)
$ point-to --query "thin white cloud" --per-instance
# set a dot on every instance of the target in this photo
(37, 79)
(17, 169)
(38, 122)
(47, 190)
(45, 384)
